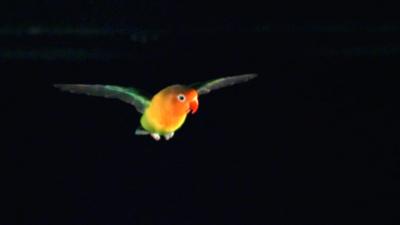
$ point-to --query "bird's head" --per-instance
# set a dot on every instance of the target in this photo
(183, 99)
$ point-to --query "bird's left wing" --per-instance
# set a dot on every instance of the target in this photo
(129, 95)
(206, 87)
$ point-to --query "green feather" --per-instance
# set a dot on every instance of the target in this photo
(208, 86)
(129, 95)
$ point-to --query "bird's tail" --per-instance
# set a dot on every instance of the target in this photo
(141, 131)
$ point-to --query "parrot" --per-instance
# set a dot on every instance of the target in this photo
(165, 112)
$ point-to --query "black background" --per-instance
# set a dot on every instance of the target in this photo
(312, 140)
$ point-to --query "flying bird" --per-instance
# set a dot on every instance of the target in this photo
(166, 111)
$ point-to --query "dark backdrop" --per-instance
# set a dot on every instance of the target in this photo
(312, 140)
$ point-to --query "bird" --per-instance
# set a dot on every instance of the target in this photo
(165, 112)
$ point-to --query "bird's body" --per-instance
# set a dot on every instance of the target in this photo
(167, 110)
(166, 113)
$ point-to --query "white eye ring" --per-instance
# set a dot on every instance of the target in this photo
(181, 98)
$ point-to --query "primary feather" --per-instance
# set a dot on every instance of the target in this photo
(208, 86)
(129, 95)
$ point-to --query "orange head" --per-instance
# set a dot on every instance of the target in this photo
(179, 99)
(187, 99)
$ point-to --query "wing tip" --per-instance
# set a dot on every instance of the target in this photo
(67, 87)
(59, 86)
(244, 77)
(250, 76)
(62, 86)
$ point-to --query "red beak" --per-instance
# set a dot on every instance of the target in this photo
(194, 105)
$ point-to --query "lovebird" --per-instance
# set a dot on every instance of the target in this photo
(165, 112)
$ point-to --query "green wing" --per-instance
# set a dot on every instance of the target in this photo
(206, 87)
(129, 95)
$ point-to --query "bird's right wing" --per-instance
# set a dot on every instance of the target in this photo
(129, 95)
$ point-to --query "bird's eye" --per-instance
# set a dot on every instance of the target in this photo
(181, 97)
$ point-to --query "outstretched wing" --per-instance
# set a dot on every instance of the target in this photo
(206, 87)
(128, 95)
